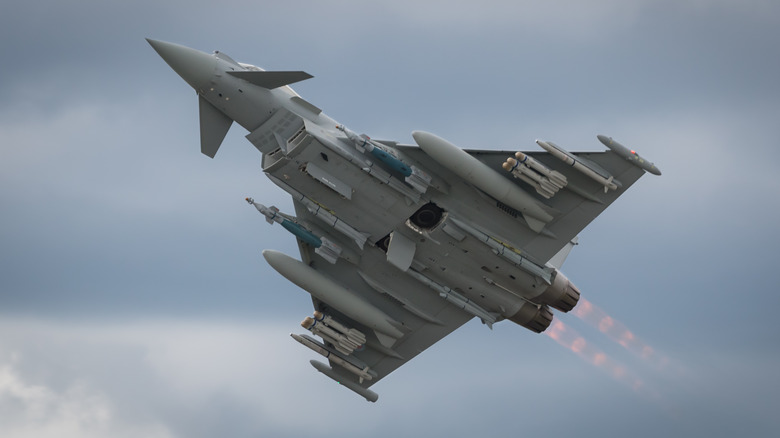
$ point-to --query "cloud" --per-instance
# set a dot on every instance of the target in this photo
(112, 221)
(35, 410)
(156, 379)
(201, 377)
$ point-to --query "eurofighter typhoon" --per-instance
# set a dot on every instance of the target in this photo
(402, 244)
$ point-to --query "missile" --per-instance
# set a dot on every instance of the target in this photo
(322, 246)
(506, 251)
(273, 215)
(628, 154)
(364, 373)
(546, 181)
(466, 304)
(415, 177)
(414, 310)
(556, 151)
(343, 342)
(455, 298)
(364, 165)
(365, 143)
(338, 297)
(323, 214)
(554, 176)
(530, 162)
(483, 177)
(361, 142)
(328, 371)
(356, 335)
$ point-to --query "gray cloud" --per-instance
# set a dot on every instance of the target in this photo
(200, 377)
(123, 251)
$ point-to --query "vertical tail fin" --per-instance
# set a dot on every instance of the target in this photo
(214, 125)
(558, 259)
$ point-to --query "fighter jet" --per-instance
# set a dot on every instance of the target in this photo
(402, 244)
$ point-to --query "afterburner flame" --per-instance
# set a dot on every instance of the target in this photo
(569, 338)
(618, 332)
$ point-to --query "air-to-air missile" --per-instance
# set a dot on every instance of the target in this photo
(344, 339)
(601, 177)
(323, 214)
(322, 246)
(414, 176)
(364, 143)
(368, 394)
(547, 182)
(455, 298)
(350, 363)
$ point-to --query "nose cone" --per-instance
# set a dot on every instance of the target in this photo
(194, 66)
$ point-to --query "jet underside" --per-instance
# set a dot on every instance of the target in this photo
(400, 245)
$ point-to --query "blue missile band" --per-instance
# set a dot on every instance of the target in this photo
(393, 162)
(302, 233)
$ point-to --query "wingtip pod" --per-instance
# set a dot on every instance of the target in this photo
(628, 154)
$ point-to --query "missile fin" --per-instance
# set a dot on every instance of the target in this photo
(387, 341)
(533, 223)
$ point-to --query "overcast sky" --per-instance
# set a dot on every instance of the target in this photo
(134, 300)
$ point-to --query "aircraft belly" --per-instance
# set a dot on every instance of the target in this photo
(421, 332)
(374, 208)
(468, 267)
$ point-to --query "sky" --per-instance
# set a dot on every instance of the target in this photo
(134, 300)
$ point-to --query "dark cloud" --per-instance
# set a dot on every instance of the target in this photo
(110, 215)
